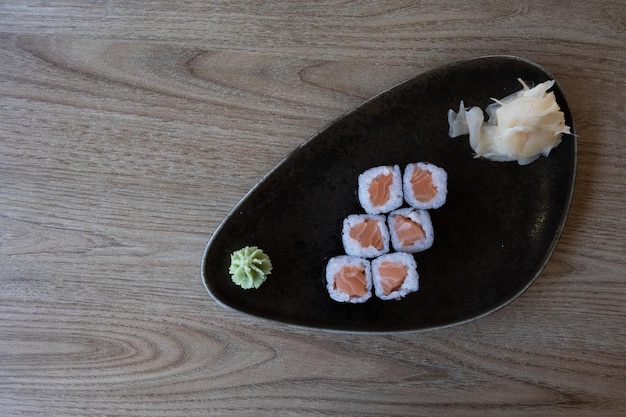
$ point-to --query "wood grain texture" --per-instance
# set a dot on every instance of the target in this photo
(128, 130)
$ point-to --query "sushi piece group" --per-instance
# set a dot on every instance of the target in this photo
(379, 245)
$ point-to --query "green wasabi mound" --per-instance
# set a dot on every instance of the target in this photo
(249, 267)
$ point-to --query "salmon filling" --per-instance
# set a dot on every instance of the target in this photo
(422, 184)
(392, 276)
(407, 230)
(351, 280)
(367, 233)
(380, 189)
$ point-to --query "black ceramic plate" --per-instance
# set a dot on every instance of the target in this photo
(493, 236)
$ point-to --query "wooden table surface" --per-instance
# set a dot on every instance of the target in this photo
(129, 129)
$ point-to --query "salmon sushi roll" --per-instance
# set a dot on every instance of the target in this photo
(394, 275)
(411, 230)
(349, 279)
(380, 189)
(365, 235)
(425, 185)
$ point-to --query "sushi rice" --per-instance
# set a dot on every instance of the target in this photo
(439, 178)
(372, 197)
(357, 242)
(333, 269)
(410, 283)
(420, 218)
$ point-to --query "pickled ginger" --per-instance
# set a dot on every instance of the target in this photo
(520, 127)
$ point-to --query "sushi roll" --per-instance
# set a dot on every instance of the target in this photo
(410, 230)
(365, 235)
(425, 185)
(349, 279)
(380, 189)
(394, 275)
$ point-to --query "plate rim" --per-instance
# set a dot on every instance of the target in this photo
(542, 264)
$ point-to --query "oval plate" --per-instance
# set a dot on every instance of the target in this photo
(493, 236)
